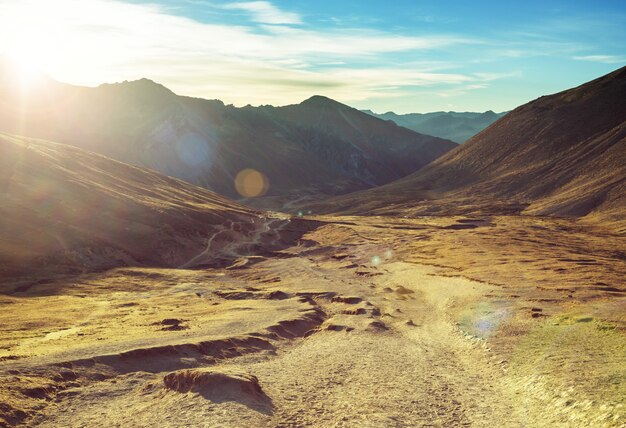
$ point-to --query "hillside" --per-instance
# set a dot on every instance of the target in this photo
(563, 155)
(66, 209)
(456, 126)
(310, 150)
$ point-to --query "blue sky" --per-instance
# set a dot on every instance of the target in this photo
(405, 56)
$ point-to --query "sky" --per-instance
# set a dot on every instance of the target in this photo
(401, 55)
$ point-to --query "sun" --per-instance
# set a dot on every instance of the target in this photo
(25, 44)
(26, 69)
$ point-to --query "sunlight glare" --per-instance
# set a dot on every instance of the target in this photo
(25, 67)
(27, 44)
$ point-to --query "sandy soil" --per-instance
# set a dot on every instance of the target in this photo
(367, 322)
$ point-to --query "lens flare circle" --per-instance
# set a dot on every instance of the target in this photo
(251, 183)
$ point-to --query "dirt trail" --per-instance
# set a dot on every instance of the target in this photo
(422, 374)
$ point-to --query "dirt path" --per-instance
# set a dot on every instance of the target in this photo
(422, 374)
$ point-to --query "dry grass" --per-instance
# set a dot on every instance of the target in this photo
(445, 321)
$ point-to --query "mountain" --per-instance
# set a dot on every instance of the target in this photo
(316, 148)
(562, 155)
(65, 209)
(451, 125)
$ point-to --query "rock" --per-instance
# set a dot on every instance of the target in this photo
(336, 327)
(277, 295)
(357, 311)
(213, 384)
(378, 326)
(171, 321)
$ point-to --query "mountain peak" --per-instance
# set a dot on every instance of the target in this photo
(321, 101)
(143, 84)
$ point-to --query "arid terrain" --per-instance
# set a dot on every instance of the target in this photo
(486, 289)
(361, 322)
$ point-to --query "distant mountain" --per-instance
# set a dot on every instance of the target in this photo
(563, 155)
(305, 151)
(451, 125)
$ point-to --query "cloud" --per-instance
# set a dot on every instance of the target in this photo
(265, 12)
(605, 59)
(96, 41)
(488, 77)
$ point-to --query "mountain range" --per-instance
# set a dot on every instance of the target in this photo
(559, 155)
(310, 150)
(456, 126)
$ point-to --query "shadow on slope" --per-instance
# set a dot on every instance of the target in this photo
(316, 148)
(67, 210)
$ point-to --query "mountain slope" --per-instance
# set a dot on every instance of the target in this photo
(455, 126)
(373, 151)
(563, 154)
(316, 148)
(66, 209)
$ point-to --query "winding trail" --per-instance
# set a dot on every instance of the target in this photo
(265, 230)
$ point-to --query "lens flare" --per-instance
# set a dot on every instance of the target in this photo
(484, 319)
(251, 183)
(28, 42)
(193, 150)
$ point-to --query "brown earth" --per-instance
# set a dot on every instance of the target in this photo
(458, 321)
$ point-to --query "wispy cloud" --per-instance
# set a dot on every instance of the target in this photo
(605, 59)
(265, 12)
(95, 41)
(256, 52)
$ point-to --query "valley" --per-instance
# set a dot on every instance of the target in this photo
(409, 322)
(175, 261)
(207, 143)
